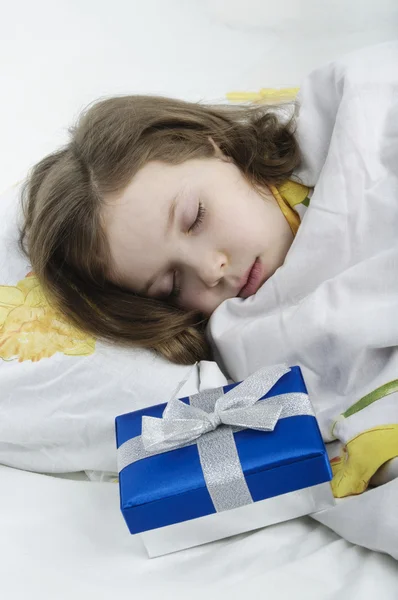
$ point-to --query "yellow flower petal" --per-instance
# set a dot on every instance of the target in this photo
(10, 296)
(26, 345)
(21, 315)
(36, 298)
(81, 349)
(27, 284)
(4, 311)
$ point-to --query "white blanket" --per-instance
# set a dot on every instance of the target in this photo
(63, 539)
(332, 308)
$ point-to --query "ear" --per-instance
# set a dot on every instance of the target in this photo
(218, 153)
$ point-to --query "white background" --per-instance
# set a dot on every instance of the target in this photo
(56, 57)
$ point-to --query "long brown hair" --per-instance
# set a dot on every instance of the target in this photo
(63, 196)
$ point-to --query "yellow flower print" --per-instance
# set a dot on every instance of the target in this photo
(362, 456)
(264, 96)
(30, 329)
(360, 459)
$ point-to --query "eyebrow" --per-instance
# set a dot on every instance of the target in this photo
(172, 213)
(170, 221)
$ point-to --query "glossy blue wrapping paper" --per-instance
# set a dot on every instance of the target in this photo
(170, 488)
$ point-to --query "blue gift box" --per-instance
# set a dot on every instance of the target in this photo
(169, 487)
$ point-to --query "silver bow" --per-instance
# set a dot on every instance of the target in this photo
(240, 407)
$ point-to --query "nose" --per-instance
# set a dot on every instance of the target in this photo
(210, 268)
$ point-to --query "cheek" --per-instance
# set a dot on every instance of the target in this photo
(232, 230)
(202, 301)
(191, 299)
(246, 214)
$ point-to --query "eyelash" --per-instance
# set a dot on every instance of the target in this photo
(176, 289)
(199, 218)
(198, 221)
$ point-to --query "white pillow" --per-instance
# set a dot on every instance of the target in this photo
(60, 390)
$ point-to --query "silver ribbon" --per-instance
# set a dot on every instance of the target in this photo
(210, 421)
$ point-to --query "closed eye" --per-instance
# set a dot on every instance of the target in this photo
(195, 225)
(176, 289)
(199, 218)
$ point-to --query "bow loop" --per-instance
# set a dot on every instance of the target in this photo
(262, 416)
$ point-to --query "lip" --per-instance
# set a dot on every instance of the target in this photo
(252, 280)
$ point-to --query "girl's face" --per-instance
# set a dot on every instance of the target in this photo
(197, 232)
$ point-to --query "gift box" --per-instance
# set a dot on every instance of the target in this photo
(222, 462)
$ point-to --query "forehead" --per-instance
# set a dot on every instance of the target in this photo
(151, 179)
(132, 222)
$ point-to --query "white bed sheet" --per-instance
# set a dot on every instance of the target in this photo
(62, 538)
